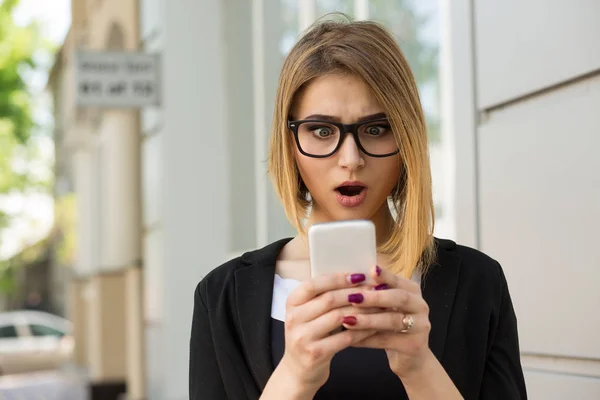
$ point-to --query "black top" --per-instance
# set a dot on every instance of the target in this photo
(355, 373)
(473, 334)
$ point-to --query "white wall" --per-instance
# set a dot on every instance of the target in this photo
(185, 180)
(152, 161)
(531, 72)
(540, 207)
(526, 46)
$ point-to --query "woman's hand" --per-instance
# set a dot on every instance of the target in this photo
(313, 311)
(402, 326)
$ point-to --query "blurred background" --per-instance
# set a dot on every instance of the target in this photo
(133, 140)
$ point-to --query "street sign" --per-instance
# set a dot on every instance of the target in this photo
(117, 79)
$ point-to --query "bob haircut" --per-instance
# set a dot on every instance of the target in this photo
(367, 50)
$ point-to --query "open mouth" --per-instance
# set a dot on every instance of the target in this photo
(350, 190)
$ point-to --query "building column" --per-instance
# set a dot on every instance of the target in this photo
(113, 289)
(82, 166)
(76, 312)
(105, 293)
(134, 326)
(120, 178)
(271, 222)
(194, 179)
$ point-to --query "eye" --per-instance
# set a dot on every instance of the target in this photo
(377, 130)
(321, 131)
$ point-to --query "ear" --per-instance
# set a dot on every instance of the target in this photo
(302, 186)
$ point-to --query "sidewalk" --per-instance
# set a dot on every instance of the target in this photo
(51, 385)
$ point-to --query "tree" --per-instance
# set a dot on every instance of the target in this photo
(18, 47)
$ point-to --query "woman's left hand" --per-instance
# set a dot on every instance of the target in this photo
(403, 324)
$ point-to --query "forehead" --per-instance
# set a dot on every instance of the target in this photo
(346, 97)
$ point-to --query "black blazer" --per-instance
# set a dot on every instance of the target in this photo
(474, 328)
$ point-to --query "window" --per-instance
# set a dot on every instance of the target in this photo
(8, 331)
(43, 330)
(324, 7)
(416, 26)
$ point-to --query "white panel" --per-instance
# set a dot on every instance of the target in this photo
(196, 187)
(526, 45)
(151, 121)
(553, 386)
(154, 276)
(240, 120)
(540, 213)
(150, 17)
(155, 42)
(155, 366)
(442, 193)
(458, 116)
(152, 34)
(561, 365)
(151, 118)
(152, 172)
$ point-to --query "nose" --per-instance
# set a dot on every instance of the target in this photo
(350, 156)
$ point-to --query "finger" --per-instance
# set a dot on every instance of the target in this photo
(390, 340)
(340, 341)
(351, 310)
(381, 340)
(314, 287)
(390, 321)
(399, 299)
(323, 325)
(382, 275)
(320, 305)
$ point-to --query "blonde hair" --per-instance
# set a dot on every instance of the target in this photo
(367, 50)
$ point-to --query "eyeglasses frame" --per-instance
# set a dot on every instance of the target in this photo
(344, 130)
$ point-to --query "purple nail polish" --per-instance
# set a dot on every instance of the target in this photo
(357, 278)
(356, 298)
(378, 270)
(382, 286)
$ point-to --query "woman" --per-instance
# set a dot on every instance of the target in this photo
(349, 142)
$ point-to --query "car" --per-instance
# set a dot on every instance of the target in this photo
(33, 341)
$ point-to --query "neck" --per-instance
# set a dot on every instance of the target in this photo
(383, 220)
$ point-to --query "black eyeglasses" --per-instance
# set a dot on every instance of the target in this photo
(321, 138)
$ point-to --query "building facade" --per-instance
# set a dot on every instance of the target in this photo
(98, 165)
(523, 85)
(165, 194)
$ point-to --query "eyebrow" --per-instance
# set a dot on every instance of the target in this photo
(332, 118)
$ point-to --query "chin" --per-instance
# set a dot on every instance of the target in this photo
(341, 213)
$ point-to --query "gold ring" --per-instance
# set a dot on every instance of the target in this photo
(408, 322)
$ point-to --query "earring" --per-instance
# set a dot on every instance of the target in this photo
(303, 192)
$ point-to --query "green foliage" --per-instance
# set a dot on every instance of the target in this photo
(65, 221)
(20, 46)
(7, 282)
(17, 46)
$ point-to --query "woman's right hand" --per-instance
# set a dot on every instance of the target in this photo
(313, 310)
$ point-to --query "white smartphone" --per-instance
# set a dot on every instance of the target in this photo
(342, 246)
